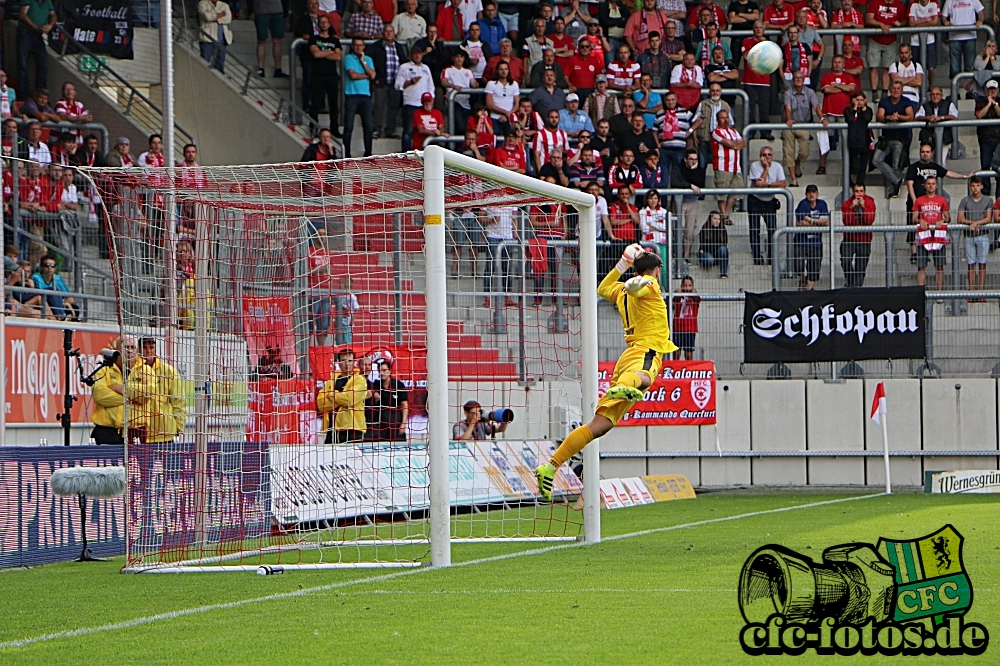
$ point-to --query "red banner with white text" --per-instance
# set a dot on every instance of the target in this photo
(683, 394)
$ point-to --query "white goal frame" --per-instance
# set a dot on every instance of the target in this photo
(435, 159)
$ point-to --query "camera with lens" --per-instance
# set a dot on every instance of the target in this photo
(501, 415)
(852, 584)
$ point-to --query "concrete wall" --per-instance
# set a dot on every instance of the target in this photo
(225, 127)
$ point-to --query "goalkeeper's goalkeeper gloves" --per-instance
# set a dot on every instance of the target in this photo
(631, 253)
(638, 286)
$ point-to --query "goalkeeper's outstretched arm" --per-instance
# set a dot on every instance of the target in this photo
(610, 287)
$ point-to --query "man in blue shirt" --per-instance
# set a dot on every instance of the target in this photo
(572, 120)
(360, 72)
(807, 249)
(894, 142)
(493, 29)
(61, 307)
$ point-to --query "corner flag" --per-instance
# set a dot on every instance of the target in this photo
(878, 403)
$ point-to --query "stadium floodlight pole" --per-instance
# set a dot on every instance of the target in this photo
(435, 160)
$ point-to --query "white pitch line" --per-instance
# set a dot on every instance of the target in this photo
(150, 619)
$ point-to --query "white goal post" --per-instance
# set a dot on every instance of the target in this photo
(435, 160)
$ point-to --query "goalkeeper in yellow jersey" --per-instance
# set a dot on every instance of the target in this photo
(647, 334)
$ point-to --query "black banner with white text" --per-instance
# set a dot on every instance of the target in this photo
(839, 325)
(103, 27)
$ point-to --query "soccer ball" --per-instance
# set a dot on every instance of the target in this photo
(765, 57)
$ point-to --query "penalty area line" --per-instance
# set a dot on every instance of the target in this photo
(173, 615)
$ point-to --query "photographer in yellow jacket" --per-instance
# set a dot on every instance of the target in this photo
(341, 401)
(157, 408)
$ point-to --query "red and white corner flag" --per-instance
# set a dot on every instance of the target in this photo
(878, 403)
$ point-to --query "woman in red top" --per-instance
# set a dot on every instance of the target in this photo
(685, 324)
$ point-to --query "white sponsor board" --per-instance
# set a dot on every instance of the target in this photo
(966, 481)
(331, 483)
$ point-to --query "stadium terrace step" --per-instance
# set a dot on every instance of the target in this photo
(482, 371)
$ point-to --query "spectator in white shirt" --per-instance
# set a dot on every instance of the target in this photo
(414, 79)
(962, 45)
(37, 150)
(409, 25)
(502, 96)
(457, 77)
(925, 13)
(907, 72)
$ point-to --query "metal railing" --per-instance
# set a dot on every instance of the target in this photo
(939, 128)
(132, 103)
(726, 92)
(83, 128)
(921, 32)
(886, 230)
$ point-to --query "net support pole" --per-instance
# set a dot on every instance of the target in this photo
(588, 344)
(201, 368)
(435, 289)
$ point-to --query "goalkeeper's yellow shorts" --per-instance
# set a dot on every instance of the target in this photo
(633, 359)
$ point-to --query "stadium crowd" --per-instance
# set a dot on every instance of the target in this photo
(611, 94)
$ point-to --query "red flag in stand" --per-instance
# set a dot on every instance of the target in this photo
(878, 403)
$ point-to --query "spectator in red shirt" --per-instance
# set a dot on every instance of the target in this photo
(506, 55)
(624, 220)
(583, 69)
(882, 50)
(685, 325)
(779, 15)
(853, 64)
(427, 121)
(449, 21)
(837, 87)
(624, 73)
(642, 23)
(624, 172)
(482, 124)
(70, 109)
(510, 154)
(930, 214)
(718, 16)
(562, 42)
(856, 248)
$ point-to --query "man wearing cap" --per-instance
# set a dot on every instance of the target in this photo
(601, 104)
(807, 248)
(548, 97)
(413, 79)
(341, 401)
(475, 426)
(572, 120)
(427, 121)
(120, 155)
(157, 407)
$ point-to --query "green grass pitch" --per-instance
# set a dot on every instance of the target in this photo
(662, 597)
